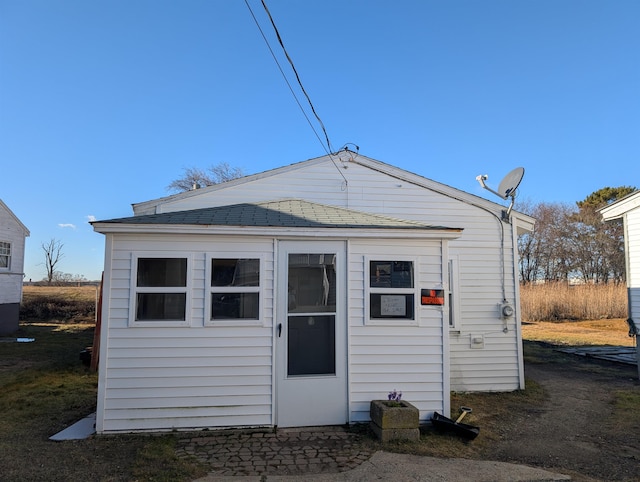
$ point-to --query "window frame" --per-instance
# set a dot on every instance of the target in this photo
(210, 290)
(7, 256)
(369, 290)
(453, 293)
(135, 290)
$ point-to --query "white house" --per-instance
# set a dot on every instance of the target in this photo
(12, 242)
(295, 296)
(628, 209)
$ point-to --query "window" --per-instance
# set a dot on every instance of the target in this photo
(391, 290)
(161, 290)
(235, 290)
(5, 255)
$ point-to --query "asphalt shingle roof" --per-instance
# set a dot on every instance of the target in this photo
(295, 213)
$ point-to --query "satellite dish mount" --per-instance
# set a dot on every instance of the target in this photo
(506, 189)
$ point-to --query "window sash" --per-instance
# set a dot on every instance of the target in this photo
(234, 291)
(161, 284)
(5, 254)
(390, 291)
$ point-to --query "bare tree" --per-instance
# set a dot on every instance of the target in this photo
(52, 256)
(195, 176)
(573, 242)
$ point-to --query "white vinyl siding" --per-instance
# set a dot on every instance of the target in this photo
(632, 240)
(407, 358)
(183, 377)
(484, 251)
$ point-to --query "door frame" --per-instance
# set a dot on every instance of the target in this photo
(337, 384)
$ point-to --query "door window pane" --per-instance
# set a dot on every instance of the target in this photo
(312, 283)
(311, 345)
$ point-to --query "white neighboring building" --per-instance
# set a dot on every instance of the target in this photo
(12, 242)
(295, 296)
(628, 209)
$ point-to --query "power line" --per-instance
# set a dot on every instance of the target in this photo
(328, 147)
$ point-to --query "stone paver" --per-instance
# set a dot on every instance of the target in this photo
(283, 452)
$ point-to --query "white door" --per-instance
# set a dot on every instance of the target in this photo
(311, 334)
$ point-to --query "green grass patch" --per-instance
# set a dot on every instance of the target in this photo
(157, 462)
(626, 412)
(44, 388)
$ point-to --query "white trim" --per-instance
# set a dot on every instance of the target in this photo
(620, 207)
(104, 334)
(340, 233)
(234, 289)
(368, 291)
(517, 316)
(452, 302)
(334, 388)
(12, 214)
(173, 289)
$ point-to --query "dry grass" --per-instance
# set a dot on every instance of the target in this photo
(60, 304)
(75, 293)
(597, 332)
(560, 301)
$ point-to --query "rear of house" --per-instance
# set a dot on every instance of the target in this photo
(294, 297)
(12, 244)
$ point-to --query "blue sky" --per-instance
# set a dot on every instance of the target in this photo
(104, 103)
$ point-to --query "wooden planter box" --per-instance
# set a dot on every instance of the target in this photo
(394, 420)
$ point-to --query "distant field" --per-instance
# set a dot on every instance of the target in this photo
(596, 332)
(59, 304)
(74, 293)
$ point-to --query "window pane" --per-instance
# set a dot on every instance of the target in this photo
(4, 261)
(158, 272)
(390, 305)
(232, 306)
(391, 274)
(312, 283)
(235, 272)
(161, 306)
(5, 248)
(311, 345)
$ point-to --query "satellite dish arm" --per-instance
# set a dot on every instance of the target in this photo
(481, 179)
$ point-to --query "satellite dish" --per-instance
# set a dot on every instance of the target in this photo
(510, 183)
(506, 188)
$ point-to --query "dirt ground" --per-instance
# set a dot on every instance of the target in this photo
(575, 432)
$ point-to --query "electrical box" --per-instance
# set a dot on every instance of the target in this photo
(432, 297)
(477, 341)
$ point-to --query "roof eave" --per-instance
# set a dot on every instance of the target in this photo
(329, 232)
